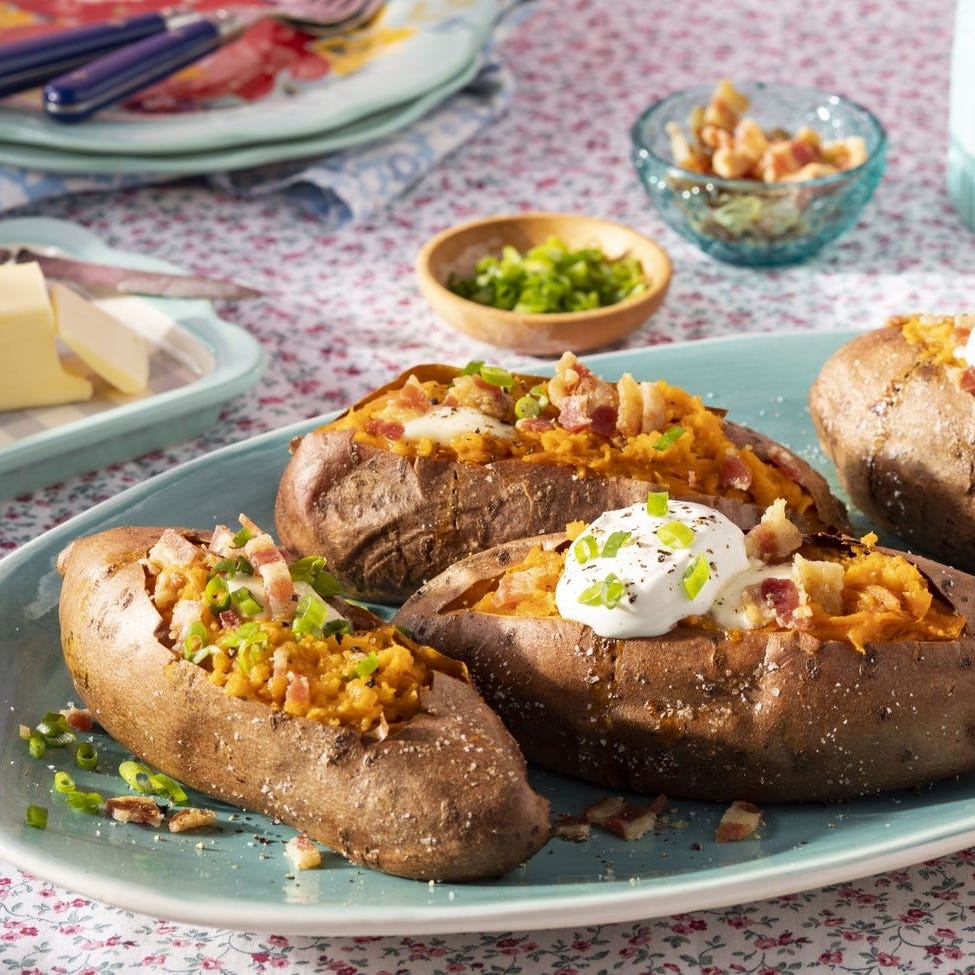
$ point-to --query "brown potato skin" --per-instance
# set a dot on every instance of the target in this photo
(444, 797)
(387, 523)
(776, 717)
(902, 436)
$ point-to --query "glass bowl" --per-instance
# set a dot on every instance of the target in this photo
(748, 221)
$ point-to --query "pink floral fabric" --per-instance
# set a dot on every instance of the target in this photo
(343, 314)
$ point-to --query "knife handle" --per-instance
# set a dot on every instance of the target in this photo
(77, 95)
(30, 62)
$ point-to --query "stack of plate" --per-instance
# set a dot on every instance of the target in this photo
(422, 54)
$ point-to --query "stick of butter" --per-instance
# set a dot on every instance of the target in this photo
(32, 371)
(106, 345)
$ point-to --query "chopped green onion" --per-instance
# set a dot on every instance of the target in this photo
(233, 567)
(36, 745)
(310, 615)
(675, 534)
(367, 665)
(137, 776)
(85, 756)
(244, 602)
(163, 785)
(246, 635)
(494, 375)
(695, 576)
(312, 571)
(607, 593)
(585, 549)
(473, 367)
(54, 728)
(63, 782)
(196, 639)
(88, 802)
(337, 627)
(242, 538)
(657, 502)
(36, 816)
(669, 438)
(217, 594)
(614, 543)
(527, 407)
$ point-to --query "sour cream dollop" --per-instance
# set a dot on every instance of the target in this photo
(654, 595)
(444, 423)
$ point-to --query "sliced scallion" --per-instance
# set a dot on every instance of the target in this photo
(85, 756)
(36, 816)
(63, 782)
(367, 665)
(669, 438)
(675, 534)
(585, 549)
(217, 594)
(614, 543)
(609, 592)
(695, 576)
(137, 776)
(657, 502)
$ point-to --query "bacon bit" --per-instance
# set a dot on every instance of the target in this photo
(572, 413)
(822, 583)
(967, 380)
(390, 429)
(411, 397)
(626, 819)
(632, 822)
(229, 619)
(603, 421)
(606, 808)
(535, 424)
(222, 541)
(739, 822)
(298, 692)
(734, 472)
(642, 407)
(134, 809)
(789, 464)
(78, 718)
(782, 596)
(24, 731)
(476, 393)
(173, 549)
(186, 612)
(572, 828)
(191, 818)
(303, 853)
(266, 557)
(774, 538)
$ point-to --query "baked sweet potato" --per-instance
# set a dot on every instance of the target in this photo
(895, 411)
(847, 669)
(391, 492)
(313, 712)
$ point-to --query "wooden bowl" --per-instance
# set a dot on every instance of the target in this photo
(550, 333)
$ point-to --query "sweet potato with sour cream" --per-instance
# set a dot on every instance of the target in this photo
(895, 411)
(213, 659)
(790, 667)
(444, 462)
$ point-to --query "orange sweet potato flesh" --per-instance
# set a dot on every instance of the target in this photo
(444, 797)
(757, 715)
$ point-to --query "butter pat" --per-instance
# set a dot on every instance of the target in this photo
(106, 345)
(31, 370)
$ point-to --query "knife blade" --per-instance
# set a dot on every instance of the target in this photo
(104, 279)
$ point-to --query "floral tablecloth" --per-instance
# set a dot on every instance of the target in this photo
(343, 313)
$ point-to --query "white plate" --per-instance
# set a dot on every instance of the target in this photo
(442, 38)
(197, 362)
(240, 877)
(222, 160)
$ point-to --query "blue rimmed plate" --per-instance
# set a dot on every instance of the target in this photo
(236, 876)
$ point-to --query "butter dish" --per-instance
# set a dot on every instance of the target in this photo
(197, 362)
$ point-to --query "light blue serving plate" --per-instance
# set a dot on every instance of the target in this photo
(236, 874)
(221, 361)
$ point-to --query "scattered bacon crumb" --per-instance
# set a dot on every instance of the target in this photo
(739, 822)
(78, 718)
(134, 809)
(191, 818)
(626, 819)
(572, 828)
(302, 853)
